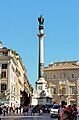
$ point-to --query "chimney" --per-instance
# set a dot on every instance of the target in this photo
(0, 44)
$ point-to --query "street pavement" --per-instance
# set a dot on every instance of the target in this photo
(25, 116)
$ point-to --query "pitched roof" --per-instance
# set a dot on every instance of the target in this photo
(63, 65)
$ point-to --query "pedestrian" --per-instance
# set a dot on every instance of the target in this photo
(20, 109)
(32, 111)
(17, 110)
(0, 111)
(69, 108)
(74, 112)
(77, 112)
(27, 109)
(4, 110)
(8, 109)
(65, 115)
(62, 106)
(41, 111)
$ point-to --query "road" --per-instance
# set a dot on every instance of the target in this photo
(44, 116)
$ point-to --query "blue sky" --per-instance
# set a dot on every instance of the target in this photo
(19, 29)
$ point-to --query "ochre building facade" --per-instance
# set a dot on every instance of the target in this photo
(63, 81)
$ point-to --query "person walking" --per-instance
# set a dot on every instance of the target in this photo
(0, 111)
(74, 112)
(4, 110)
(62, 106)
(65, 115)
(77, 112)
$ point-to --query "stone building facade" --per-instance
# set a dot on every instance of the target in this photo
(63, 81)
(15, 89)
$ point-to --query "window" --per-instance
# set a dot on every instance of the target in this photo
(3, 74)
(5, 53)
(14, 89)
(63, 90)
(72, 75)
(53, 76)
(60, 91)
(3, 87)
(4, 66)
(73, 90)
(18, 72)
(19, 82)
(54, 90)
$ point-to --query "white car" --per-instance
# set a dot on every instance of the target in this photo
(54, 111)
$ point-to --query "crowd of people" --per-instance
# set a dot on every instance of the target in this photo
(39, 109)
(70, 112)
(9, 110)
(32, 110)
(25, 109)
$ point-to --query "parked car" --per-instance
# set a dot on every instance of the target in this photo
(54, 111)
